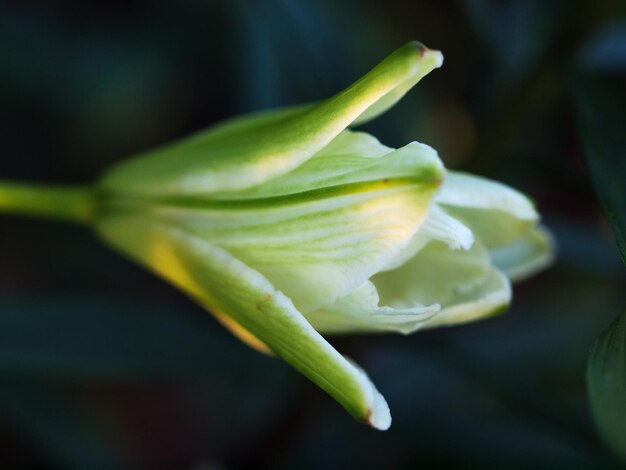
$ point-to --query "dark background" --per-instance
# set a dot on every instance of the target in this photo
(102, 365)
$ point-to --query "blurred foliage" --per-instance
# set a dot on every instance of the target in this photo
(601, 98)
(606, 381)
(600, 95)
(104, 364)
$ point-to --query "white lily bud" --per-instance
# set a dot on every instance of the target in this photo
(286, 225)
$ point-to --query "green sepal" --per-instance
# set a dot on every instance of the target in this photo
(251, 150)
(220, 282)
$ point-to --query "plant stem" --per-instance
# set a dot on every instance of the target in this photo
(67, 203)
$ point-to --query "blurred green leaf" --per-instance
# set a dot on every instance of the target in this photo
(606, 384)
(601, 106)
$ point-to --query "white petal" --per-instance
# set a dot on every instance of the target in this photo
(475, 192)
(463, 282)
(527, 255)
(437, 226)
(360, 311)
(496, 213)
(485, 299)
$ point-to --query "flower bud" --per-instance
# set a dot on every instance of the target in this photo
(285, 225)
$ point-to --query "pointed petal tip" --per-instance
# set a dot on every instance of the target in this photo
(425, 54)
(436, 57)
(378, 415)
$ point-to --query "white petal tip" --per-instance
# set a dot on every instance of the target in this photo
(436, 57)
(378, 416)
(433, 57)
(465, 240)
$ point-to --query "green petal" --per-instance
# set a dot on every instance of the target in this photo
(321, 244)
(221, 282)
(527, 255)
(429, 60)
(496, 213)
(463, 282)
(251, 150)
(606, 384)
(350, 157)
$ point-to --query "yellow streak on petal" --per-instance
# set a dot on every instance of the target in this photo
(162, 256)
(241, 333)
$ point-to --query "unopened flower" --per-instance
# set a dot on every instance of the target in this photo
(286, 225)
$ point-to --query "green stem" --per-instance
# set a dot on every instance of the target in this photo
(68, 203)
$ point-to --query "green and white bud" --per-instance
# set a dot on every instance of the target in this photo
(287, 225)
